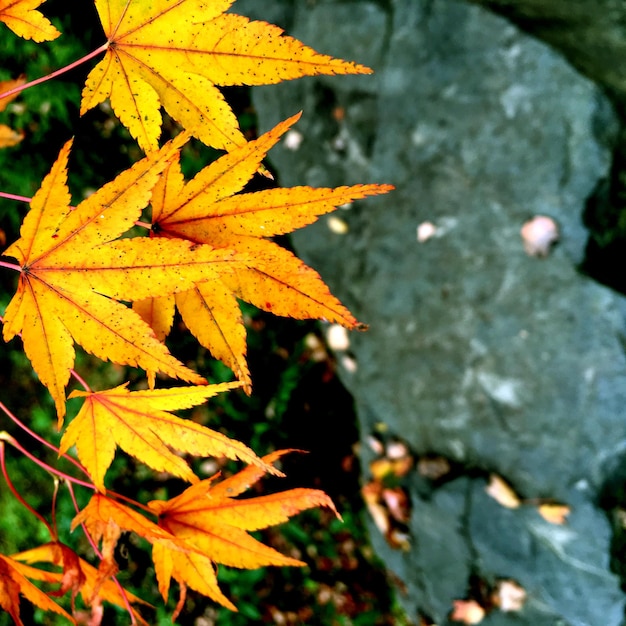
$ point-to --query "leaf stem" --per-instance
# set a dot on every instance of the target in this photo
(94, 547)
(80, 380)
(40, 439)
(17, 494)
(12, 196)
(11, 266)
(56, 73)
(4, 436)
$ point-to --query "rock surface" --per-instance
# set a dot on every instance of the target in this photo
(477, 352)
(589, 33)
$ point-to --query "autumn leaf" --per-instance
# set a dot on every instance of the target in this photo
(502, 492)
(22, 18)
(105, 519)
(8, 136)
(74, 276)
(14, 582)
(139, 422)
(209, 518)
(202, 527)
(554, 513)
(467, 612)
(509, 596)
(209, 210)
(89, 581)
(160, 56)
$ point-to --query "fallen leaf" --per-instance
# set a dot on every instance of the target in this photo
(371, 493)
(381, 468)
(433, 467)
(337, 337)
(425, 231)
(554, 513)
(397, 503)
(375, 445)
(398, 539)
(467, 612)
(502, 493)
(509, 596)
(396, 449)
(538, 235)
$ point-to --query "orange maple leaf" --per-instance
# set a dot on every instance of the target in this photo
(105, 519)
(175, 53)
(139, 422)
(14, 582)
(22, 18)
(202, 527)
(9, 137)
(74, 275)
(209, 210)
(208, 518)
(78, 575)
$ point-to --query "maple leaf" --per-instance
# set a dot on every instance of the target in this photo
(78, 575)
(207, 517)
(8, 136)
(158, 55)
(209, 210)
(139, 422)
(105, 519)
(14, 582)
(202, 527)
(22, 18)
(74, 275)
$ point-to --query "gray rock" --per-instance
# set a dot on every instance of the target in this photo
(497, 360)
(590, 33)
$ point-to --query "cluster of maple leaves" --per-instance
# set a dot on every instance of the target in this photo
(83, 280)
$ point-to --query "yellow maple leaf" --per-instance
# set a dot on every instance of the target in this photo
(209, 210)
(139, 422)
(175, 53)
(14, 582)
(22, 18)
(74, 275)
